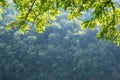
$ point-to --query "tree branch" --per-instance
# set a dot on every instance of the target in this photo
(30, 9)
(113, 8)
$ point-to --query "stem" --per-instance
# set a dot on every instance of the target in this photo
(113, 8)
(30, 9)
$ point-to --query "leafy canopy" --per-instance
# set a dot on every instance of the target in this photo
(106, 15)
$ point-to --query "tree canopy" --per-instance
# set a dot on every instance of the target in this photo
(105, 15)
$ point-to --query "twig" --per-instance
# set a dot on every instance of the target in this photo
(113, 8)
(30, 9)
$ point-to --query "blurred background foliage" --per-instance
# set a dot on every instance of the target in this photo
(63, 52)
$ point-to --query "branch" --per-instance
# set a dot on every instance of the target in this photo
(113, 8)
(30, 9)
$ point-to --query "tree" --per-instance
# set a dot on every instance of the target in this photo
(105, 15)
(72, 55)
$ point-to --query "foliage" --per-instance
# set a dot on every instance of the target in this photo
(40, 12)
(62, 52)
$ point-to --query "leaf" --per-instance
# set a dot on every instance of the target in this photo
(70, 16)
(52, 17)
(22, 31)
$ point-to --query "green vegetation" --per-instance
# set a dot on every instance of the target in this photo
(62, 52)
(105, 15)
